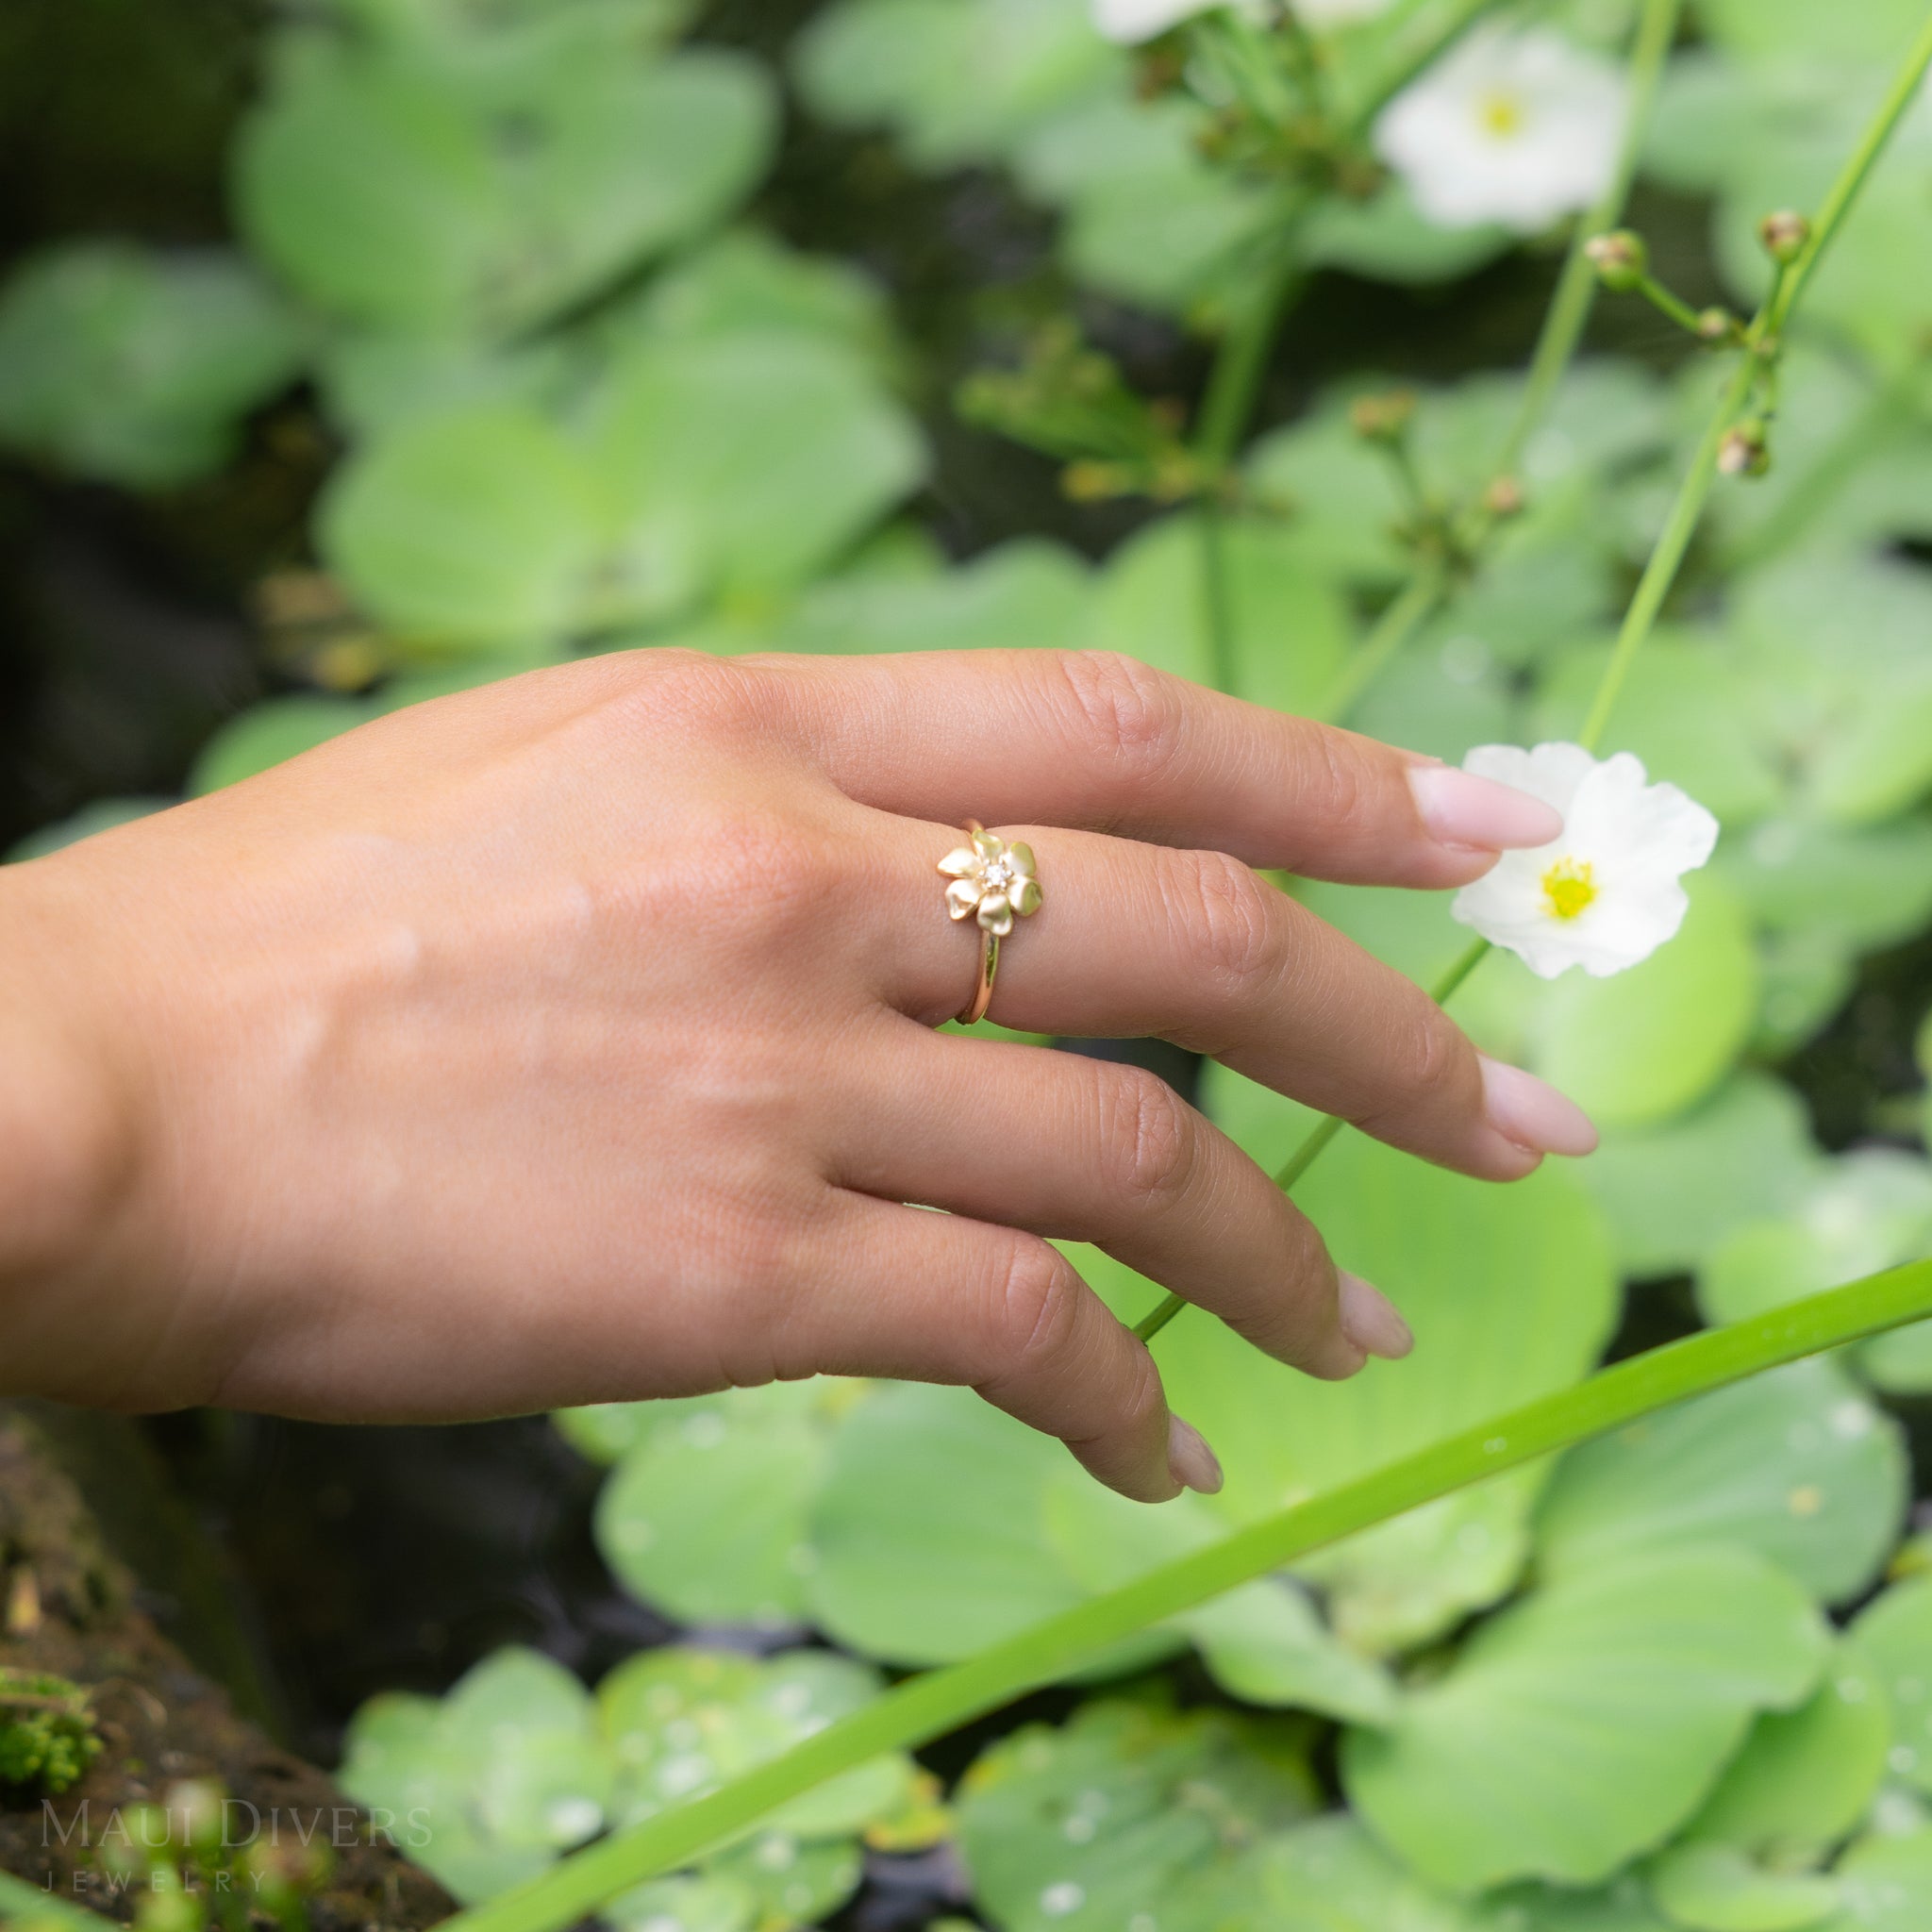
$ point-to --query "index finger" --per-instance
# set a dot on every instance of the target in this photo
(1099, 741)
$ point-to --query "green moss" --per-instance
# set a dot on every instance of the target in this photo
(48, 1736)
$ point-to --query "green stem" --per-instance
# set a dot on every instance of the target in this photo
(1417, 61)
(927, 1706)
(1556, 344)
(1661, 573)
(1576, 288)
(1851, 181)
(1217, 597)
(1397, 624)
(22, 1904)
(1674, 307)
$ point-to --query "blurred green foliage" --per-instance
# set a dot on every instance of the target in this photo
(584, 399)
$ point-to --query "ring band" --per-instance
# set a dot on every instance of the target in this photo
(994, 883)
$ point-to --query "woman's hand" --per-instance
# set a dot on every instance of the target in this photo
(570, 1039)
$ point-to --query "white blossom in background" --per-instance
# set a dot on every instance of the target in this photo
(1516, 128)
(1133, 21)
(1609, 892)
(1336, 12)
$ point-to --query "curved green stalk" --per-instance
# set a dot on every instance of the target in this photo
(926, 1707)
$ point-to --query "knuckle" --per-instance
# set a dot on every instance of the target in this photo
(1152, 1137)
(1036, 1309)
(1231, 924)
(1134, 714)
(1435, 1064)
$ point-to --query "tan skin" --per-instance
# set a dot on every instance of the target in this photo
(571, 1040)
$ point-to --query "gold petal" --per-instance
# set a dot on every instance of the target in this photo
(962, 898)
(961, 863)
(996, 915)
(988, 844)
(1022, 855)
(1025, 894)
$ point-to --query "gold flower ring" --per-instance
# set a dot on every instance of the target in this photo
(994, 883)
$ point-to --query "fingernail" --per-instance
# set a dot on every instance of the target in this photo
(1459, 808)
(1532, 1113)
(1370, 1320)
(1189, 1460)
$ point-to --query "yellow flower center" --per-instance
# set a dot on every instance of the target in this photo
(1500, 116)
(1570, 886)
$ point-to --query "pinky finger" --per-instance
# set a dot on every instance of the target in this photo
(933, 1297)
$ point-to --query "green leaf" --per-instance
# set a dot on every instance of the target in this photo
(1895, 1631)
(1026, 591)
(1645, 1044)
(758, 455)
(1674, 1192)
(1716, 1888)
(478, 525)
(682, 1720)
(1123, 1812)
(138, 368)
(1387, 239)
(1330, 1876)
(509, 1770)
(1805, 1779)
(270, 733)
(1841, 682)
(916, 1562)
(1581, 1727)
(1867, 889)
(1291, 629)
(1683, 712)
(1866, 1210)
(705, 1516)
(1798, 1466)
(399, 193)
(1510, 1292)
(1887, 1883)
(1263, 1643)
(1792, 30)
(959, 81)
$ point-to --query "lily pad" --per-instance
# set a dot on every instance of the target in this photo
(1716, 1888)
(1798, 1465)
(1894, 1632)
(1582, 1726)
(1125, 1811)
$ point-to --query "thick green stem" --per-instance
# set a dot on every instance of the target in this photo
(927, 1706)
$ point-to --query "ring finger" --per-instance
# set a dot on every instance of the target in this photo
(1134, 941)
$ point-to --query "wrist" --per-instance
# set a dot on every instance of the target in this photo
(66, 1135)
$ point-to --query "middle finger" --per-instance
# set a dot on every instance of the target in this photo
(1136, 940)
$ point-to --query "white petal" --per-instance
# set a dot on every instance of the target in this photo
(1556, 157)
(1551, 771)
(1132, 21)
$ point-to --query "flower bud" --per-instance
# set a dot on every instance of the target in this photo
(1745, 450)
(1621, 259)
(1383, 418)
(1785, 235)
(1504, 497)
(1717, 325)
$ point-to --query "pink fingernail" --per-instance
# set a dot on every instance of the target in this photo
(1370, 1320)
(1459, 808)
(1533, 1115)
(1189, 1460)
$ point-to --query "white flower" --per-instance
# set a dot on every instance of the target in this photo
(1607, 893)
(1516, 128)
(1133, 21)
